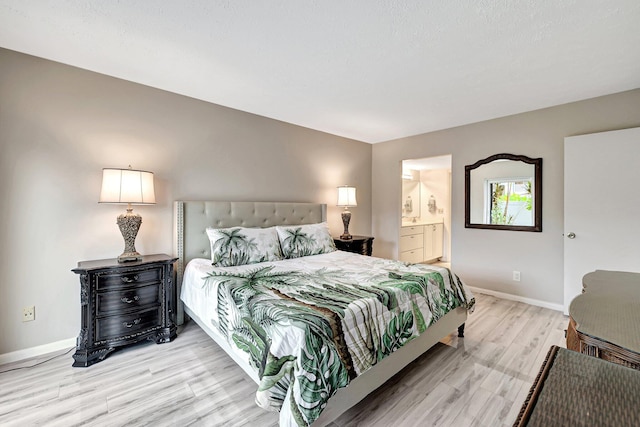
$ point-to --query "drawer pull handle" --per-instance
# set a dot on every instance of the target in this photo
(128, 300)
(132, 324)
(127, 279)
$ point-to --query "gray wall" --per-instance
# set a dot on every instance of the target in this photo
(486, 258)
(59, 126)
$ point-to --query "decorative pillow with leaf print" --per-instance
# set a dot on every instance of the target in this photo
(240, 246)
(303, 240)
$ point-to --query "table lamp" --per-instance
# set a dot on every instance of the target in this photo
(133, 187)
(346, 199)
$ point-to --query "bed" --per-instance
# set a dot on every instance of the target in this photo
(203, 295)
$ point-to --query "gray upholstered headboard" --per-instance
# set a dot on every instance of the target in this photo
(191, 219)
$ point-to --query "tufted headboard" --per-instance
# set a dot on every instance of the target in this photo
(191, 219)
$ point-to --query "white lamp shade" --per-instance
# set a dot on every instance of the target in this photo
(347, 196)
(127, 186)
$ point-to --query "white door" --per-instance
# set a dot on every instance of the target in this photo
(601, 205)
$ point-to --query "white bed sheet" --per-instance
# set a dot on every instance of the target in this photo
(202, 299)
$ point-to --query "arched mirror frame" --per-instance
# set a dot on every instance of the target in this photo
(537, 204)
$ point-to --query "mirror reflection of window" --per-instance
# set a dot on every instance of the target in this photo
(509, 201)
(488, 204)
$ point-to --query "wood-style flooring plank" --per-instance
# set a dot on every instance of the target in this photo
(479, 380)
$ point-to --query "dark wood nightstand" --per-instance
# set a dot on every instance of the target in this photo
(358, 244)
(123, 303)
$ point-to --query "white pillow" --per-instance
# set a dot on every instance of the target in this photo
(303, 240)
(240, 246)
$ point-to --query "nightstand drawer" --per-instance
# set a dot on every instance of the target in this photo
(127, 324)
(116, 301)
(115, 281)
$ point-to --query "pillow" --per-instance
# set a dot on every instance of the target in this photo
(240, 246)
(303, 240)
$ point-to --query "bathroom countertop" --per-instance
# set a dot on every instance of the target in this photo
(418, 222)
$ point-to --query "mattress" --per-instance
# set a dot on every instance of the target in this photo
(348, 311)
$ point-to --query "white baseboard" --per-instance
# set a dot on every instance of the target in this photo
(511, 297)
(39, 350)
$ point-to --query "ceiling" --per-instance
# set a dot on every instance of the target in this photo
(371, 70)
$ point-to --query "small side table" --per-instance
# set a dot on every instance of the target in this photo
(357, 244)
(122, 304)
(603, 319)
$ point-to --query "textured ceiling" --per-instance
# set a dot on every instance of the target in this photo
(371, 70)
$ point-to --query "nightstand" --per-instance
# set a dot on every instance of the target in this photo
(358, 244)
(122, 304)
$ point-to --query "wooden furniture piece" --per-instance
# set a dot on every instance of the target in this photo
(603, 319)
(191, 218)
(123, 303)
(412, 243)
(573, 389)
(433, 241)
(421, 242)
(358, 244)
(498, 168)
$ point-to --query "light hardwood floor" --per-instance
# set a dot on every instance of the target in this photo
(479, 380)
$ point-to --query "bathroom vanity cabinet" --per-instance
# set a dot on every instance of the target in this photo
(433, 241)
(421, 242)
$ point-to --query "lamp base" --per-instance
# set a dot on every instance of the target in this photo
(129, 224)
(346, 218)
(129, 257)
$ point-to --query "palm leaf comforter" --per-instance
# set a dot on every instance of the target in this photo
(310, 325)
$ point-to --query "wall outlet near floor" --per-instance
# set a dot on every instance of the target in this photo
(516, 276)
(29, 313)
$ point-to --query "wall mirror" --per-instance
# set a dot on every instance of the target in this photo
(411, 201)
(504, 192)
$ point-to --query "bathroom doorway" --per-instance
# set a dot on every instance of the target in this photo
(425, 232)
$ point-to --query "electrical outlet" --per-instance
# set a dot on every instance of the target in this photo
(516, 276)
(29, 313)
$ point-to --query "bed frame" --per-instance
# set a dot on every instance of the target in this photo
(191, 218)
